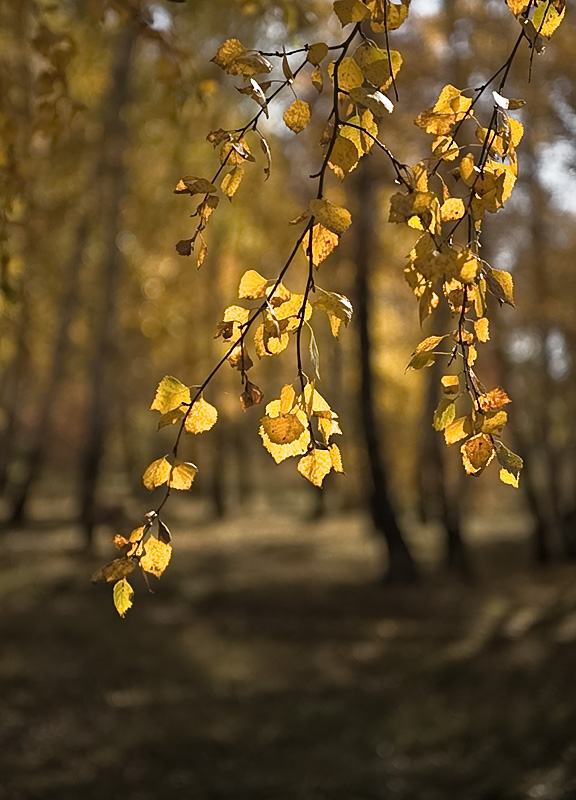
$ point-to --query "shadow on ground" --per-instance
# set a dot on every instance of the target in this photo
(271, 664)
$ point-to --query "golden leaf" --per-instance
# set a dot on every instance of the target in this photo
(317, 79)
(170, 394)
(286, 428)
(428, 344)
(445, 147)
(328, 427)
(482, 329)
(453, 208)
(457, 430)
(266, 344)
(183, 475)
(350, 11)
(331, 216)
(501, 285)
(228, 52)
(343, 157)
(444, 414)
(201, 417)
(315, 466)
(156, 556)
(493, 422)
(349, 74)
(279, 452)
(317, 52)
(450, 384)
(546, 18)
(114, 570)
(297, 116)
(122, 595)
(376, 65)
(517, 6)
(493, 400)
(323, 243)
(171, 417)
(360, 140)
(232, 181)
(510, 478)
(157, 473)
(336, 458)
(252, 286)
(287, 399)
(477, 453)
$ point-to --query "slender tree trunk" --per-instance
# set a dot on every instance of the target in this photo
(401, 565)
(105, 332)
(34, 456)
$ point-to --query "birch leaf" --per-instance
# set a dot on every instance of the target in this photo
(156, 556)
(297, 116)
(122, 594)
(201, 417)
(315, 466)
(170, 394)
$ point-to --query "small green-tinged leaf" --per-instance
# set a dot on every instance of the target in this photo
(170, 394)
(444, 414)
(123, 594)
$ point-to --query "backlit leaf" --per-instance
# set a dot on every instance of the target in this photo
(501, 285)
(201, 417)
(375, 64)
(183, 475)
(477, 453)
(458, 429)
(452, 209)
(297, 116)
(450, 384)
(280, 452)
(252, 285)
(343, 157)
(156, 556)
(336, 458)
(157, 473)
(444, 414)
(283, 429)
(349, 74)
(170, 394)
(331, 216)
(493, 422)
(190, 185)
(428, 344)
(122, 595)
(546, 18)
(228, 52)
(333, 304)
(482, 329)
(373, 99)
(114, 570)
(323, 243)
(232, 181)
(315, 466)
(350, 11)
(493, 400)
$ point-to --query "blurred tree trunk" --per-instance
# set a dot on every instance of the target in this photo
(401, 565)
(113, 187)
(35, 451)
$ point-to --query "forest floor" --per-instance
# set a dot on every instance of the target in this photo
(271, 663)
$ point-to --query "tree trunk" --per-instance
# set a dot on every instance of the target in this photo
(401, 565)
(104, 337)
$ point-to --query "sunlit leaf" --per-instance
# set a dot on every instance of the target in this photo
(376, 65)
(482, 329)
(372, 99)
(280, 452)
(493, 422)
(201, 417)
(156, 556)
(546, 18)
(157, 473)
(336, 458)
(297, 116)
(315, 466)
(477, 452)
(331, 216)
(349, 74)
(450, 384)
(190, 185)
(252, 285)
(122, 595)
(170, 394)
(501, 285)
(323, 243)
(114, 570)
(350, 11)
(444, 414)
(458, 429)
(232, 181)
(493, 400)
(453, 208)
(284, 428)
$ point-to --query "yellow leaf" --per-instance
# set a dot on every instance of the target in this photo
(317, 79)
(122, 594)
(349, 74)
(156, 556)
(235, 153)
(428, 344)
(171, 417)
(517, 6)
(286, 428)
(349, 11)
(202, 253)
(170, 394)
(328, 428)
(228, 52)
(333, 304)
(445, 147)
(183, 475)
(336, 458)
(232, 181)
(116, 569)
(238, 313)
(297, 116)
(450, 384)
(493, 422)
(201, 417)
(343, 157)
(317, 52)
(279, 452)
(315, 403)
(331, 216)
(477, 453)
(482, 329)
(375, 64)
(450, 108)
(335, 324)
(501, 285)
(252, 285)
(157, 473)
(453, 208)
(510, 478)
(323, 243)
(457, 430)
(266, 344)
(420, 361)
(315, 466)
(287, 399)
(444, 414)
(292, 308)
(546, 18)
(493, 400)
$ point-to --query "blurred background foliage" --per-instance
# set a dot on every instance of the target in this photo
(106, 105)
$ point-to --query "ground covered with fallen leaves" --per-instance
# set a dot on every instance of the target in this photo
(271, 663)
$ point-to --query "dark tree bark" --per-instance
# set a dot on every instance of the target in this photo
(401, 565)
(113, 179)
